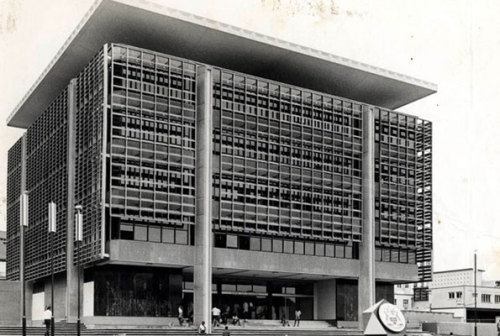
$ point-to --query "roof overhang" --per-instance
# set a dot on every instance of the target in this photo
(151, 26)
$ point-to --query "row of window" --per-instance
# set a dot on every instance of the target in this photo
(485, 298)
(240, 85)
(281, 245)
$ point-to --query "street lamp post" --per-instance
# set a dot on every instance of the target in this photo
(475, 293)
(78, 240)
(52, 232)
(23, 223)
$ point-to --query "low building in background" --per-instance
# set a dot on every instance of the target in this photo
(403, 296)
(453, 291)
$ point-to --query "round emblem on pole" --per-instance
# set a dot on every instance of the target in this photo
(391, 317)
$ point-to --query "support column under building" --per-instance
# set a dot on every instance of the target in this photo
(71, 271)
(366, 282)
(203, 230)
(22, 230)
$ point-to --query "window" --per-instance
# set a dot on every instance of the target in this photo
(459, 295)
(486, 298)
(405, 303)
(497, 298)
(451, 295)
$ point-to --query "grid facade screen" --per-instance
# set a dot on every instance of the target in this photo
(152, 132)
(14, 173)
(286, 166)
(286, 161)
(89, 140)
(46, 181)
(403, 195)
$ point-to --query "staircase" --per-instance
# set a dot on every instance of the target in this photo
(69, 329)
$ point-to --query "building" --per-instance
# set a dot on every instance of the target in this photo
(453, 292)
(403, 296)
(216, 166)
(3, 254)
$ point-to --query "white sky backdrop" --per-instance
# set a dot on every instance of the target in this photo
(453, 43)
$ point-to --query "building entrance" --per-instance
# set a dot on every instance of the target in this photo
(263, 299)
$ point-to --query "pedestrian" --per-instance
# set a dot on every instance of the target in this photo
(215, 316)
(284, 321)
(180, 315)
(236, 319)
(202, 329)
(297, 317)
(246, 308)
(47, 319)
(226, 332)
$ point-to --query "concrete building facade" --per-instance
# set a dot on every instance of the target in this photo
(213, 171)
(3, 254)
(453, 292)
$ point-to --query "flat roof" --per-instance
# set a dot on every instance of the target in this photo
(459, 270)
(151, 26)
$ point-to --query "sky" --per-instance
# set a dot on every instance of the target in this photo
(452, 43)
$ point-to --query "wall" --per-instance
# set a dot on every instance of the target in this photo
(422, 305)
(88, 299)
(392, 271)
(59, 309)
(37, 306)
(347, 300)
(441, 299)
(421, 317)
(460, 329)
(10, 303)
(324, 300)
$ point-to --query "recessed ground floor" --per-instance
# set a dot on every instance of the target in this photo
(150, 295)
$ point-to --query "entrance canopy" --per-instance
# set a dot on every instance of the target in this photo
(150, 26)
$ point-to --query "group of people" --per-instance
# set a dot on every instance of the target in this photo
(218, 317)
(202, 329)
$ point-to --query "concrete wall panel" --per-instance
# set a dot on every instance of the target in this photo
(10, 307)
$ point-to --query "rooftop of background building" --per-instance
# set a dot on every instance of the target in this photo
(151, 26)
(458, 270)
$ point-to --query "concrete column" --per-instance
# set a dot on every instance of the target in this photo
(29, 302)
(203, 230)
(22, 231)
(366, 282)
(71, 271)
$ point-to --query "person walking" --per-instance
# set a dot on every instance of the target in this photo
(47, 317)
(297, 317)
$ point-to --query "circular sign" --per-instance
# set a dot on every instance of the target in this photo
(391, 317)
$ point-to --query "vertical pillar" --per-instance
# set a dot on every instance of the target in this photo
(23, 218)
(203, 230)
(366, 282)
(71, 271)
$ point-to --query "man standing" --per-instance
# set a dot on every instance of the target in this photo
(180, 315)
(215, 316)
(47, 316)
(297, 317)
